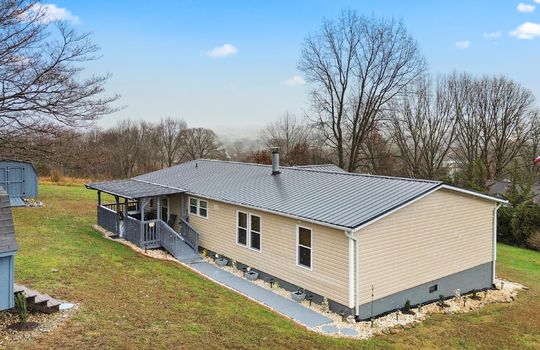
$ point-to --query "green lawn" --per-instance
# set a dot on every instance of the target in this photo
(131, 301)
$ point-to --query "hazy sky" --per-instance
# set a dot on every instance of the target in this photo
(225, 64)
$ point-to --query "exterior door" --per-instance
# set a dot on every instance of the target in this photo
(12, 180)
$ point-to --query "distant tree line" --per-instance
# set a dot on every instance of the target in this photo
(374, 108)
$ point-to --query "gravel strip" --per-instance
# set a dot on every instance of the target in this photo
(47, 323)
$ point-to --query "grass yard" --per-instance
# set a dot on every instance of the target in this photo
(134, 302)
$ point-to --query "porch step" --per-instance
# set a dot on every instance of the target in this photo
(37, 301)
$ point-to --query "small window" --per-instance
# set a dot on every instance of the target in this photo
(203, 208)
(193, 206)
(433, 288)
(255, 232)
(248, 230)
(242, 228)
(198, 207)
(304, 247)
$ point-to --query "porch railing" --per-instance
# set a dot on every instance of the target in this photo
(106, 218)
(190, 235)
(148, 234)
(131, 206)
(132, 231)
(170, 239)
(151, 235)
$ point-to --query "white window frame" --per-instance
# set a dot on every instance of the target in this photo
(246, 228)
(198, 201)
(248, 231)
(298, 245)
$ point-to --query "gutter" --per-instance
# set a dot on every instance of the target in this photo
(353, 289)
(494, 257)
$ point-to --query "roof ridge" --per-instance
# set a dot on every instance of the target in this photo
(307, 168)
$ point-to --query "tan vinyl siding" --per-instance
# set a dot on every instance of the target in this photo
(175, 208)
(330, 259)
(440, 234)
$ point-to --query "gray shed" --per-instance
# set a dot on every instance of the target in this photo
(8, 248)
(19, 179)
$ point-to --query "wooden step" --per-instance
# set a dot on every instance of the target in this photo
(37, 301)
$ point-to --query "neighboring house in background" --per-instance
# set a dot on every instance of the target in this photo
(19, 179)
(499, 189)
(339, 235)
(8, 248)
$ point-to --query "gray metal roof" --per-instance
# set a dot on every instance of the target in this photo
(337, 198)
(7, 229)
(322, 167)
(500, 188)
(132, 189)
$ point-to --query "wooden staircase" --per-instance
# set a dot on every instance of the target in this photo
(37, 301)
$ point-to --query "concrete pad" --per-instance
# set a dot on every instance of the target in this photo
(329, 329)
(349, 332)
(290, 308)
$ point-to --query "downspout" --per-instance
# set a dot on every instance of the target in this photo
(355, 293)
(494, 241)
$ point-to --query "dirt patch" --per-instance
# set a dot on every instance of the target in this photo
(22, 327)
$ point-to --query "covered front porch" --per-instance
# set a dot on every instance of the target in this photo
(148, 215)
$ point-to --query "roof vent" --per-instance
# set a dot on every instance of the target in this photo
(275, 161)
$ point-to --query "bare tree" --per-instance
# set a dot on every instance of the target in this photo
(40, 65)
(170, 134)
(494, 116)
(289, 134)
(356, 65)
(423, 127)
(202, 143)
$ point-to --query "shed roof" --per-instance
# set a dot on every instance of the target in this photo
(7, 229)
(339, 198)
(132, 189)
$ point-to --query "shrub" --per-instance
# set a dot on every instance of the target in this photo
(21, 307)
(442, 302)
(407, 308)
(56, 175)
(525, 221)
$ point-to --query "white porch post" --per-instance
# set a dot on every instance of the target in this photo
(141, 206)
(117, 200)
(158, 207)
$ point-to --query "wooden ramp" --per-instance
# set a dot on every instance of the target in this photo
(37, 301)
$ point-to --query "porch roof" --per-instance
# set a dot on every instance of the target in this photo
(132, 189)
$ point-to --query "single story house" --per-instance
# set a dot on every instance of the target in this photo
(19, 179)
(366, 243)
(499, 188)
(8, 248)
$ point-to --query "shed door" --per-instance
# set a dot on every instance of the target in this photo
(12, 180)
(5, 281)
